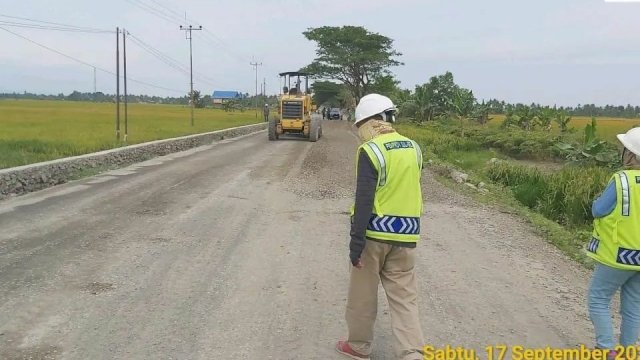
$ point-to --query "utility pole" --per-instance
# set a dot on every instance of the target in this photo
(95, 87)
(124, 57)
(255, 65)
(187, 32)
(118, 84)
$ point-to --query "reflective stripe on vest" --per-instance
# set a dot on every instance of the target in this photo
(418, 153)
(628, 256)
(395, 224)
(381, 161)
(593, 245)
(626, 195)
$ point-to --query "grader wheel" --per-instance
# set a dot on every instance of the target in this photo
(316, 130)
(273, 129)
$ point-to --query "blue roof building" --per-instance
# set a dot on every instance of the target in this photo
(220, 97)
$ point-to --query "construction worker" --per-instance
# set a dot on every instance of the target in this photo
(615, 246)
(385, 227)
(324, 113)
(266, 112)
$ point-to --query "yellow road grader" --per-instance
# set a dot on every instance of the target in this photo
(296, 111)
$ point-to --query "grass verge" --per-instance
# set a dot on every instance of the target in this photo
(446, 151)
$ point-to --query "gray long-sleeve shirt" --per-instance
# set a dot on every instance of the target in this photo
(366, 184)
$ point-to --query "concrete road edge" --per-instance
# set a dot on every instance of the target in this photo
(33, 177)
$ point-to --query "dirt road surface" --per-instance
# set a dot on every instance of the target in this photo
(239, 251)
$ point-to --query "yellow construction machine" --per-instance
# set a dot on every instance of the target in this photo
(296, 111)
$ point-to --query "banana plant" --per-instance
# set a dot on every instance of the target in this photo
(562, 119)
(481, 113)
(544, 117)
(592, 150)
(462, 105)
(421, 106)
(510, 118)
(525, 117)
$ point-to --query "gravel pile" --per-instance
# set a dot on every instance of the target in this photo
(328, 165)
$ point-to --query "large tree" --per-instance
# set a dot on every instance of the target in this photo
(326, 92)
(353, 55)
(386, 85)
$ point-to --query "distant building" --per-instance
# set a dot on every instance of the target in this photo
(221, 97)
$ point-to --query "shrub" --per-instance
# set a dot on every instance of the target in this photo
(438, 141)
(592, 150)
(564, 196)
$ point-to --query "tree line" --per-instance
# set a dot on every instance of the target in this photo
(97, 97)
(200, 101)
(622, 111)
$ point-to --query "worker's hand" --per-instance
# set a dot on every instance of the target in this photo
(354, 257)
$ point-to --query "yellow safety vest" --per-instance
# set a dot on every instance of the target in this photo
(616, 237)
(398, 200)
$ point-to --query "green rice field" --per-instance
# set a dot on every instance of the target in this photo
(36, 130)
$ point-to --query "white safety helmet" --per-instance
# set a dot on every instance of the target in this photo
(631, 140)
(375, 104)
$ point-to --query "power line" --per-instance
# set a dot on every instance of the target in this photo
(177, 14)
(53, 28)
(173, 16)
(218, 44)
(160, 56)
(86, 63)
(225, 44)
(53, 23)
(153, 11)
(160, 10)
(173, 63)
(155, 86)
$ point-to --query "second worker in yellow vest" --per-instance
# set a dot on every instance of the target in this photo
(615, 245)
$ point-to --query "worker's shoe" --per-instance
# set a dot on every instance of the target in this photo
(343, 348)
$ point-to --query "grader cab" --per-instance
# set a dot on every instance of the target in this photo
(296, 113)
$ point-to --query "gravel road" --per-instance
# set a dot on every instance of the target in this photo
(239, 251)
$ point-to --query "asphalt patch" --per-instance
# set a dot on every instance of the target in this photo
(96, 288)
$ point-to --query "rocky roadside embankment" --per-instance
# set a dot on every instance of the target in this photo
(34, 177)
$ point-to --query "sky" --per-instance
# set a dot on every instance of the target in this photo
(563, 52)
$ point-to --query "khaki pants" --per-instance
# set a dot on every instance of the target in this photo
(394, 267)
